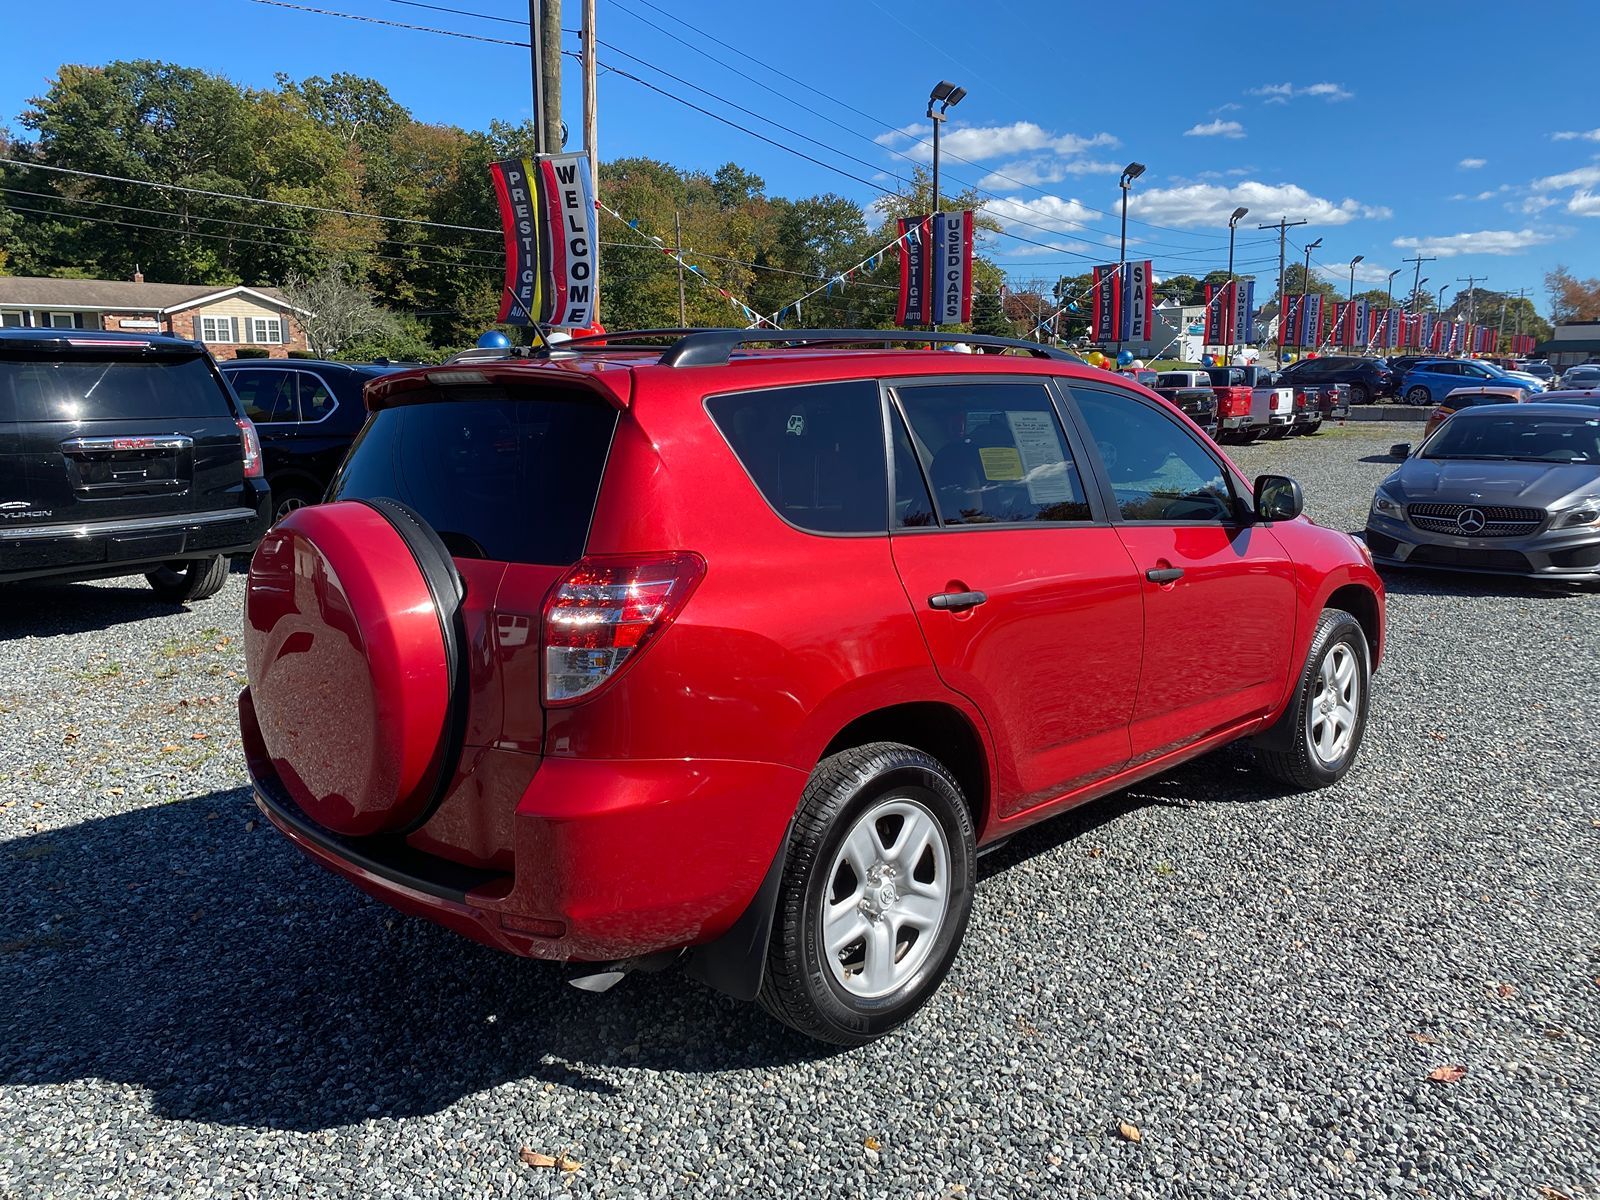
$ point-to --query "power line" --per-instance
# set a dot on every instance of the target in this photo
(455, 33)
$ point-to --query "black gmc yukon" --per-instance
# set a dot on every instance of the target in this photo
(123, 454)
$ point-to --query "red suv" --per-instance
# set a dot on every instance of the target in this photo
(737, 652)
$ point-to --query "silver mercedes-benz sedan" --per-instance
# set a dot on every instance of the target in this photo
(1505, 488)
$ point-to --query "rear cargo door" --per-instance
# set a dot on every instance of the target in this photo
(93, 434)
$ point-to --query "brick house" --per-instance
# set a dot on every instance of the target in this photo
(224, 318)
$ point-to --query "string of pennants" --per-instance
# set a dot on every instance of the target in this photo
(1312, 321)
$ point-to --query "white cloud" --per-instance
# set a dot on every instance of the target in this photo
(1487, 194)
(1572, 135)
(980, 142)
(1035, 171)
(1485, 241)
(1282, 93)
(1472, 164)
(1532, 205)
(1582, 177)
(1211, 204)
(1047, 212)
(1365, 272)
(1584, 203)
(1218, 128)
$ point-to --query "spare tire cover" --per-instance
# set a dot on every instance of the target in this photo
(350, 668)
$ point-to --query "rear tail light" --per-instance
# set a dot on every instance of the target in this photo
(253, 466)
(603, 614)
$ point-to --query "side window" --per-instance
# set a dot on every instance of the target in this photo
(1157, 471)
(266, 396)
(814, 452)
(913, 506)
(994, 452)
(316, 401)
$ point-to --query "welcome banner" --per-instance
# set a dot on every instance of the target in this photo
(547, 214)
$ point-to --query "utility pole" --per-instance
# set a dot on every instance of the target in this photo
(1472, 282)
(1283, 227)
(590, 100)
(1416, 278)
(544, 29)
(677, 246)
(1521, 294)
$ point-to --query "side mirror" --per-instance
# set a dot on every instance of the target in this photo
(1401, 450)
(1278, 498)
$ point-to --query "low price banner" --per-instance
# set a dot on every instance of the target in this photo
(547, 213)
(913, 308)
(1244, 311)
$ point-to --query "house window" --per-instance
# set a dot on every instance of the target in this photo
(55, 320)
(12, 320)
(264, 331)
(216, 329)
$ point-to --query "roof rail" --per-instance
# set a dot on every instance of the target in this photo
(714, 347)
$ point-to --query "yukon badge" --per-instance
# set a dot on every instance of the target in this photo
(16, 510)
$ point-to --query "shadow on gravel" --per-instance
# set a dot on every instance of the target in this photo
(183, 952)
(56, 609)
(1381, 458)
(173, 949)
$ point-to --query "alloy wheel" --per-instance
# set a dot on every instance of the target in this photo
(887, 897)
(1331, 715)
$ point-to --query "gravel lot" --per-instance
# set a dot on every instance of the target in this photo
(1261, 984)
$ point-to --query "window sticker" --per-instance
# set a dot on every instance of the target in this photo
(1000, 463)
(1039, 446)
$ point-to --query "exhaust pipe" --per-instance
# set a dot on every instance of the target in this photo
(602, 977)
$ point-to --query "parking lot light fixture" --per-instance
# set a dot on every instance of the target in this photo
(1353, 263)
(945, 94)
(1233, 224)
(1129, 173)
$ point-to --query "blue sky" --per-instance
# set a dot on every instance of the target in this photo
(1395, 128)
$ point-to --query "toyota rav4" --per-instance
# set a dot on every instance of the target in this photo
(736, 651)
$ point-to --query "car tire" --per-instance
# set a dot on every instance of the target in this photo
(1312, 427)
(1359, 394)
(883, 832)
(1418, 396)
(289, 498)
(1317, 739)
(185, 581)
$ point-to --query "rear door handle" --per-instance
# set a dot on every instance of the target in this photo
(1164, 574)
(956, 601)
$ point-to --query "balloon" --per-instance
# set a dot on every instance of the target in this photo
(1124, 358)
(1139, 363)
(493, 339)
(1207, 360)
(1311, 354)
(1288, 358)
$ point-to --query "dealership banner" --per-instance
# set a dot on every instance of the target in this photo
(1305, 321)
(547, 213)
(1341, 322)
(951, 261)
(913, 308)
(1219, 314)
(1426, 331)
(1244, 311)
(1138, 303)
(1107, 303)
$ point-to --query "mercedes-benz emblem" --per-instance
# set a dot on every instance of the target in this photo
(1471, 520)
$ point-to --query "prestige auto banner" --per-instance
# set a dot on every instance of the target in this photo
(547, 213)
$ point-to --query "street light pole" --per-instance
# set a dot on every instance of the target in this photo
(1129, 173)
(1305, 289)
(945, 94)
(1350, 300)
(1233, 287)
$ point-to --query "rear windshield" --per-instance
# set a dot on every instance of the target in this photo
(45, 388)
(513, 480)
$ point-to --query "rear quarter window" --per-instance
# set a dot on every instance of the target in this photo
(815, 452)
(511, 477)
(38, 387)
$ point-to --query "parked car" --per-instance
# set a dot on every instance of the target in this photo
(1471, 397)
(1271, 402)
(656, 655)
(1585, 376)
(1590, 395)
(1369, 378)
(1190, 392)
(1505, 488)
(1435, 377)
(1315, 403)
(1539, 368)
(1143, 376)
(308, 412)
(123, 454)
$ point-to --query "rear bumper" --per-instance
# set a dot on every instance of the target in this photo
(90, 549)
(612, 859)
